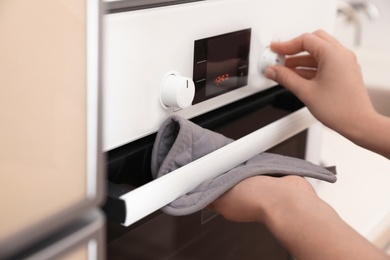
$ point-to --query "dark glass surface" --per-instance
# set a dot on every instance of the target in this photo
(221, 64)
(166, 237)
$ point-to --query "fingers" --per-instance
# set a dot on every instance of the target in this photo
(306, 73)
(298, 72)
(306, 61)
(303, 65)
(327, 37)
(290, 79)
(314, 43)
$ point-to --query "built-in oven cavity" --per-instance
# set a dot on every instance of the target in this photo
(221, 64)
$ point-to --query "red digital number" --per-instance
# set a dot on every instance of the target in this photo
(220, 79)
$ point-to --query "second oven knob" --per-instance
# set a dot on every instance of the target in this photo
(176, 91)
(269, 58)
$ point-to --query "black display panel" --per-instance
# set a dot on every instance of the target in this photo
(221, 64)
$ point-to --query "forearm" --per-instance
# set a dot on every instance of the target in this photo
(373, 134)
(317, 232)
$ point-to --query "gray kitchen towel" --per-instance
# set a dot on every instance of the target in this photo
(180, 142)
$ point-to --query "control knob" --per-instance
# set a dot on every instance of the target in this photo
(270, 58)
(176, 91)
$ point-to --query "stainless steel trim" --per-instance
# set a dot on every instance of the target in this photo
(95, 178)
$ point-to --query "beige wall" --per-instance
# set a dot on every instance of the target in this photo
(42, 110)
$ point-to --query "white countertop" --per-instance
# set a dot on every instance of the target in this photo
(361, 194)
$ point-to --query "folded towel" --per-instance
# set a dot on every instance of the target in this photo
(180, 142)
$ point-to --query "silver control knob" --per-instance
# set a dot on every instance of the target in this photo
(270, 58)
(176, 91)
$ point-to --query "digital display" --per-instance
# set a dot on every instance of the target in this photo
(221, 64)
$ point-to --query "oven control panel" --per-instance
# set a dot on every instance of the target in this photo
(221, 64)
(191, 58)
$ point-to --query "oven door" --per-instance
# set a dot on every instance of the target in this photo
(272, 120)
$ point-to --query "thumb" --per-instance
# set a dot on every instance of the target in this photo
(287, 78)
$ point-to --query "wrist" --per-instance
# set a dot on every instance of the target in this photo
(362, 127)
(293, 198)
(371, 132)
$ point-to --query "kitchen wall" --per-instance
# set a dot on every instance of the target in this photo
(375, 30)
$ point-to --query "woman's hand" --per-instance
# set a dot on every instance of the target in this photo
(305, 225)
(252, 199)
(328, 79)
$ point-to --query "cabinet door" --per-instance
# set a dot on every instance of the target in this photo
(49, 134)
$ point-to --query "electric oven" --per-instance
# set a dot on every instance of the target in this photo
(201, 60)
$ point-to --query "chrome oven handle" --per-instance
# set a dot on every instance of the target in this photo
(139, 202)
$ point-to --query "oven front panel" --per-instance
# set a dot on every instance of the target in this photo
(144, 46)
